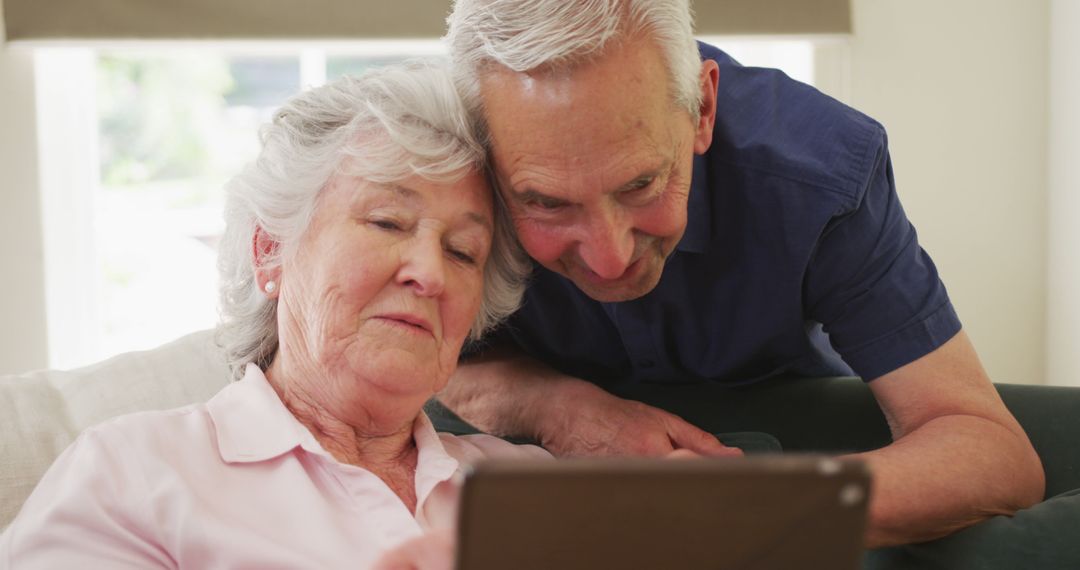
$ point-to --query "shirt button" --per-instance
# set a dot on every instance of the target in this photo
(645, 363)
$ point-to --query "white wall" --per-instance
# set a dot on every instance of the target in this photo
(22, 283)
(961, 87)
(1063, 320)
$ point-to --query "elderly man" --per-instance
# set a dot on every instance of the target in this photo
(695, 220)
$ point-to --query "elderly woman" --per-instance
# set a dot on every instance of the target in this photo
(362, 248)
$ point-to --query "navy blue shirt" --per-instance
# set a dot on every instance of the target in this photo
(797, 259)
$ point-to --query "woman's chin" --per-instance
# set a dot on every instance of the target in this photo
(400, 372)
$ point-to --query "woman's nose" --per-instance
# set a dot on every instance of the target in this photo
(423, 267)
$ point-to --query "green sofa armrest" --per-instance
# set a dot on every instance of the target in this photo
(840, 415)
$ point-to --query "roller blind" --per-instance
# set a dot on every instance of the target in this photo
(345, 19)
(753, 17)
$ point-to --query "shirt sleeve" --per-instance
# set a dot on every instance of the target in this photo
(88, 511)
(874, 289)
(492, 447)
(469, 449)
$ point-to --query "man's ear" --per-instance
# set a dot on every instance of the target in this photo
(263, 249)
(708, 80)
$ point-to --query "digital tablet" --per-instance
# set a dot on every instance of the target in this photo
(751, 513)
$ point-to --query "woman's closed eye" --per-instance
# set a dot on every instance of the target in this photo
(461, 255)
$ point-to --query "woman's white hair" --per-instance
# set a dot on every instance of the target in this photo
(384, 126)
(545, 35)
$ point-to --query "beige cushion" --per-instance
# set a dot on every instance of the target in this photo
(42, 412)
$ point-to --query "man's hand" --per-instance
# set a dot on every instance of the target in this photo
(587, 421)
(508, 394)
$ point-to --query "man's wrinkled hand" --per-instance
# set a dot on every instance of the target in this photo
(592, 422)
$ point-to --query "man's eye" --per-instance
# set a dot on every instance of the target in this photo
(390, 225)
(640, 190)
(547, 203)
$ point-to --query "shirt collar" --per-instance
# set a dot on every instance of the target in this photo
(433, 464)
(252, 424)
(698, 221)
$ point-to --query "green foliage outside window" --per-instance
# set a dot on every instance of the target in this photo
(156, 114)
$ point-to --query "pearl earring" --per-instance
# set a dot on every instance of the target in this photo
(270, 287)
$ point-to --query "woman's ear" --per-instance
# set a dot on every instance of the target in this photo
(263, 251)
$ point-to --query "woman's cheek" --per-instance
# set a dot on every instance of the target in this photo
(463, 310)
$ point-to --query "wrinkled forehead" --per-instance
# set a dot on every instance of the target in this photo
(593, 117)
(631, 76)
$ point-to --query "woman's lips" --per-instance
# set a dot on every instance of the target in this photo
(414, 321)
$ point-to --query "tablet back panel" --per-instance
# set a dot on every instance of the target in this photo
(755, 513)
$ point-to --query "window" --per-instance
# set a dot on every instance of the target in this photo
(136, 143)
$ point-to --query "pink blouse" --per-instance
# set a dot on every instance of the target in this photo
(236, 482)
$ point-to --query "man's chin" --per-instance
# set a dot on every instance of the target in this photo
(614, 294)
(617, 290)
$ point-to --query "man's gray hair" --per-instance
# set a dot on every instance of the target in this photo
(528, 35)
(384, 126)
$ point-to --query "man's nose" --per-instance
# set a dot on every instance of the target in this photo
(608, 246)
(423, 266)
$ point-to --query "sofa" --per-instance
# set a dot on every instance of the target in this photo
(42, 412)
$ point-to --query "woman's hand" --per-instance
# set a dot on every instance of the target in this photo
(434, 550)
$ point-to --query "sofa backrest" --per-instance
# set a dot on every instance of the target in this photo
(42, 412)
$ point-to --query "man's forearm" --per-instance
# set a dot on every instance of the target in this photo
(503, 392)
(508, 394)
(948, 474)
